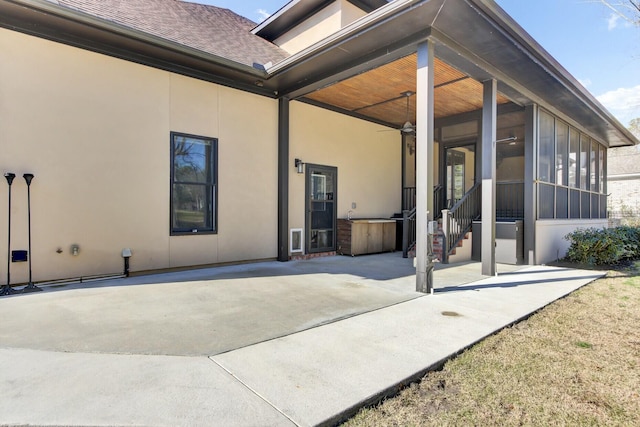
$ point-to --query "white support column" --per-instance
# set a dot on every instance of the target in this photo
(489, 123)
(424, 167)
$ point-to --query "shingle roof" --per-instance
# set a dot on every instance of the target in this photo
(207, 28)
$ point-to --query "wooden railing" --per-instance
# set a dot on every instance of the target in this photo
(457, 221)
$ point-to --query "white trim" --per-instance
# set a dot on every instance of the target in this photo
(300, 239)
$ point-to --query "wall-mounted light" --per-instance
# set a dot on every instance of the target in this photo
(299, 165)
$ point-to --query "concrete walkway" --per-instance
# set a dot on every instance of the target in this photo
(299, 343)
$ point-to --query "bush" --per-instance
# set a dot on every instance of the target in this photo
(605, 246)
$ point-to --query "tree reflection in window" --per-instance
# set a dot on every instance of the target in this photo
(193, 184)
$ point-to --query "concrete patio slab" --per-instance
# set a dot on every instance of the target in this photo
(201, 312)
(317, 376)
(45, 388)
(300, 343)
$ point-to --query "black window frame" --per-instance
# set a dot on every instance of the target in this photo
(211, 186)
(582, 197)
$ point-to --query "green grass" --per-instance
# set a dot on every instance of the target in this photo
(583, 344)
(575, 363)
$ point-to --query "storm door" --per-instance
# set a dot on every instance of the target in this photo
(321, 199)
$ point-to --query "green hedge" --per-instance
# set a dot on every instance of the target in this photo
(605, 246)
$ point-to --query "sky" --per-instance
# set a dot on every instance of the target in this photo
(584, 36)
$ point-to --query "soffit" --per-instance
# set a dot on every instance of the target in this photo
(474, 36)
(378, 94)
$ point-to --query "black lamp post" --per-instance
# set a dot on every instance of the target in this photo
(28, 177)
(6, 289)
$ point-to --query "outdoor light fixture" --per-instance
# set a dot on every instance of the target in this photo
(28, 177)
(126, 254)
(299, 165)
(9, 177)
(7, 289)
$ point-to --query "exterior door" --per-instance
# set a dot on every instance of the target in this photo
(321, 203)
(458, 180)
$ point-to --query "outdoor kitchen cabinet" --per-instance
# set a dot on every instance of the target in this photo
(366, 236)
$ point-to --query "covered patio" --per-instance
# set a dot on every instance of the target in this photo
(418, 67)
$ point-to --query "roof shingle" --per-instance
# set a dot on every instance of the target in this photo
(210, 29)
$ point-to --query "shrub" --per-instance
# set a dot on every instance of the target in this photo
(605, 246)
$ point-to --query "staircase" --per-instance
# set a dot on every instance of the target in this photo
(454, 255)
(457, 223)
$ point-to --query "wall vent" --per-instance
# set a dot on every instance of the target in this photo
(295, 240)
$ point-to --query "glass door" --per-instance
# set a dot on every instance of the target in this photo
(460, 171)
(321, 199)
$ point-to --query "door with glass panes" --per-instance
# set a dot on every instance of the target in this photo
(321, 200)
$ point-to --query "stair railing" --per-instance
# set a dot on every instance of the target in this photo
(438, 202)
(457, 221)
(408, 230)
(409, 217)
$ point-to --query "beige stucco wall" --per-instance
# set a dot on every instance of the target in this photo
(549, 241)
(95, 132)
(327, 21)
(368, 161)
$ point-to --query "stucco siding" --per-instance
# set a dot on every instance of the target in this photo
(95, 132)
(550, 243)
(368, 158)
(327, 21)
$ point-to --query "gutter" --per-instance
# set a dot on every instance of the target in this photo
(51, 7)
(538, 54)
(351, 30)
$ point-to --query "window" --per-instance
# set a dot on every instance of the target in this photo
(562, 154)
(571, 172)
(546, 153)
(193, 184)
(574, 155)
(584, 161)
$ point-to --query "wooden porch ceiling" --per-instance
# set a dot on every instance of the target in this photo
(378, 93)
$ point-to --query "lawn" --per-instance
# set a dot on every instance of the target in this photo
(576, 362)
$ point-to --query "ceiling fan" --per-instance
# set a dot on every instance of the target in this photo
(407, 128)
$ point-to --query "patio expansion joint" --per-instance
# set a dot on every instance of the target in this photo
(253, 391)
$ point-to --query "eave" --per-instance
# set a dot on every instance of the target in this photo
(297, 11)
(47, 20)
(475, 36)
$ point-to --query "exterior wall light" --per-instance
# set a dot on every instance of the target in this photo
(299, 165)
